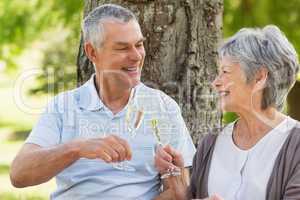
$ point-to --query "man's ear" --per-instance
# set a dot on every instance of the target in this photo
(261, 77)
(90, 51)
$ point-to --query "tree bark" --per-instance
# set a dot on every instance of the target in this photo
(181, 46)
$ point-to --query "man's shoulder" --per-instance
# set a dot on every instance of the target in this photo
(142, 88)
(158, 95)
(154, 92)
(64, 100)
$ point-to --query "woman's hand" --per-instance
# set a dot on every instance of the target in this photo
(168, 158)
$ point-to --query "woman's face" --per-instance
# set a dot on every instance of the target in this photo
(235, 93)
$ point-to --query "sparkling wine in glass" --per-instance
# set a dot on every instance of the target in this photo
(133, 121)
(163, 134)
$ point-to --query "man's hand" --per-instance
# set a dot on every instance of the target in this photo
(35, 164)
(110, 149)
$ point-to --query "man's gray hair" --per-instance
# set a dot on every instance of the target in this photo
(266, 48)
(92, 26)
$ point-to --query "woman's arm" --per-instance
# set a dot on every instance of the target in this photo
(168, 158)
(292, 190)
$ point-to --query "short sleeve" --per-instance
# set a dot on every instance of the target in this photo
(182, 140)
(46, 132)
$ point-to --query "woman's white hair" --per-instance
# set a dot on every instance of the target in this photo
(265, 48)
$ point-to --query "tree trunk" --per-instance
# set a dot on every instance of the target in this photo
(181, 47)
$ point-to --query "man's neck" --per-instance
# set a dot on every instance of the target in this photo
(113, 97)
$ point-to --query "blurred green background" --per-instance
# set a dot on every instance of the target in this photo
(39, 39)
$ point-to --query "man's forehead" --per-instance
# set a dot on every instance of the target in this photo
(120, 32)
(123, 42)
(112, 23)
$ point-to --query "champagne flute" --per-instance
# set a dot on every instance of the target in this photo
(163, 134)
(133, 120)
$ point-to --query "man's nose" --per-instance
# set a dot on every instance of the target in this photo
(135, 54)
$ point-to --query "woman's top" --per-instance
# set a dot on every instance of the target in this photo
(282, 183)
(243, 174)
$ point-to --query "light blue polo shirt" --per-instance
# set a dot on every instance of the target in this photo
(80, 113)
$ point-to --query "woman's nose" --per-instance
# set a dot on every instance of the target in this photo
(216, 83)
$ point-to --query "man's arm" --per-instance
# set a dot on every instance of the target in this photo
(35, 165)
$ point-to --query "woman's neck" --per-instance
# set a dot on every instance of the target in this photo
(252, 126)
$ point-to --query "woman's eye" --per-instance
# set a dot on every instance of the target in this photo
(139, 45)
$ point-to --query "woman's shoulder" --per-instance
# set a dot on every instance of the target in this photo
(293, 140)
(206, 143)
(207, 140)
(295, 130)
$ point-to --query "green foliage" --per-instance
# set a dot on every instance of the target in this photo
(58, 65)
(22, 22)
(228, 117)
(258, 13)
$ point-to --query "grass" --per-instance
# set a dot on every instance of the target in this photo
(15, 125)
(18, 196)
(4, 169)
(12, 115)
(7, 191)
(18, 110)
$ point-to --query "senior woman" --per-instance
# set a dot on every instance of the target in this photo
(257, 156)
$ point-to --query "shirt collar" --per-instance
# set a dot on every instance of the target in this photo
(88, 96)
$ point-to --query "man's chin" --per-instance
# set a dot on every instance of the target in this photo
(129, 83)
(134, 83)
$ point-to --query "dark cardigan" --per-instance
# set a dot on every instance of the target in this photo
(284, 182)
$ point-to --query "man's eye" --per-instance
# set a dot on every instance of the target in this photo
(122, 48)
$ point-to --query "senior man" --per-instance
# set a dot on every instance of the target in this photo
(83, 139)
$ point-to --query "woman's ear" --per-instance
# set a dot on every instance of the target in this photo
(90, 51)
(261, 77)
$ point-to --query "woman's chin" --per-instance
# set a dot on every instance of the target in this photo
(222, 106)
(226, 107)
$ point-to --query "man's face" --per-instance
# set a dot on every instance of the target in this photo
(121, 57)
